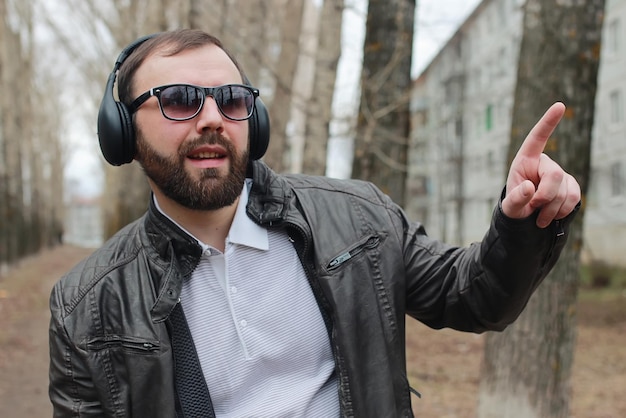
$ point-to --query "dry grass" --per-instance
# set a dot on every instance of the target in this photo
(445, 365)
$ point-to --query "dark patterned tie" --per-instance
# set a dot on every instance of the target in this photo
(191, 388)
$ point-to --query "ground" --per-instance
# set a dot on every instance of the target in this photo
(443, 365)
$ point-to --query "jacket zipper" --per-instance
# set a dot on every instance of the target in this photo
(104, 343)
(559, 232)
(344, 384)
(371, 242)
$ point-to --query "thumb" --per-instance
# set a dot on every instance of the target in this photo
(516, 203)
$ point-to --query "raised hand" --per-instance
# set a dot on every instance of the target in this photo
(535, 181)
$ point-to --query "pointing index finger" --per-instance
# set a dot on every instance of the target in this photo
(537, 138)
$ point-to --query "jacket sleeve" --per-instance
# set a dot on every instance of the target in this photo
(71, 388)
(486, 285)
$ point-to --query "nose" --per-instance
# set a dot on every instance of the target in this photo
(210, 118)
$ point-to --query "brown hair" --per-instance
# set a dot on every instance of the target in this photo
(176, 41)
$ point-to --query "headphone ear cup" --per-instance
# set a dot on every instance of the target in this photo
(259, 126)
(115, 129)
(115, 124)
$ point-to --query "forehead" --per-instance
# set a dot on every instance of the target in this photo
(207, 65)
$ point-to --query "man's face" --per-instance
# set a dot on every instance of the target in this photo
(210, 189)
(199, 163)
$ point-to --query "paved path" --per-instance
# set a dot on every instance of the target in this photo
(24, 317)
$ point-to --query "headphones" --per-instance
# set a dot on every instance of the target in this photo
(117, 135)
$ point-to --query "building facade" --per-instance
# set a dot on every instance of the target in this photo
(605, 219)
(462, 107)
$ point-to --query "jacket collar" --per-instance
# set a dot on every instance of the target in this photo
(269, 196)
(177, 254)
(165, 237)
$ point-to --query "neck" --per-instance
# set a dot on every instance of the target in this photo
(209, 226)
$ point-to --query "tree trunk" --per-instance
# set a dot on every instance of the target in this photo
(280, 109)
(5, 149)
(11, 66)
(209, 16)
(251, 42)
(317, 129)
(25, 215)
(33, 150)
(526, 369)
(381, 145)
(52, 190)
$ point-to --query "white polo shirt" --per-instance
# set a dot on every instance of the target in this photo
(259, 333)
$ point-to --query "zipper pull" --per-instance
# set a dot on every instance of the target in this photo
(559, 228)
(340, 259)
(414, 392)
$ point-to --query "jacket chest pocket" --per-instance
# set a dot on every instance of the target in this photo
(128, 344)
(368, 243)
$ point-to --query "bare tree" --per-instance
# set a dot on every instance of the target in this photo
(12, 201)
(48, 133)
(381, 145)
(280, 109)
(527, 368)
(251, 40)
(210, 16)
(15, 56)
(317, 129)
(105, 28)
(27, 221)
(250, 29)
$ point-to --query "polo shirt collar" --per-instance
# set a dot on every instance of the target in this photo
(243, 231)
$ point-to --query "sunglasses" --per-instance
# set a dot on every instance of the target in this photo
(185, 101)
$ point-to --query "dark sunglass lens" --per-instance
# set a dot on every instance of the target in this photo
(181, 102)
(236, 102)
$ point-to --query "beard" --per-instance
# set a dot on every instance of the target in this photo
(211, 190)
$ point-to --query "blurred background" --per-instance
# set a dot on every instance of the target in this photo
(451, 73)
(428, 99)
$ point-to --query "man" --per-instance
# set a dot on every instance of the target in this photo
(243, 293)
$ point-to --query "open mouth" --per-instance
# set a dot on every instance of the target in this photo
(206, 156)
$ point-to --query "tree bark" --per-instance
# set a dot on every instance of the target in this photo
(209, 16)
(280, 109)
(381, 145)
(11, 67)
(317, 129)
(5, 151)
(526, 369)
(25, 180)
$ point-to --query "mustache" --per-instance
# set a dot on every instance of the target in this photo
(209, 138)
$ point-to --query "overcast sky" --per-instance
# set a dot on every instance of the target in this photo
(436, 22)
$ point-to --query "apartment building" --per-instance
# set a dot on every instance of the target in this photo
(605, 220)
(462, 107)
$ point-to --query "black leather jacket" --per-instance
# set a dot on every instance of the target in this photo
(367, 264)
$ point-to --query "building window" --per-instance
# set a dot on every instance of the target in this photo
(613, 36)
(489, 118)
(617, 106)
(458, 127)
(617, 179)
(490, 159)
